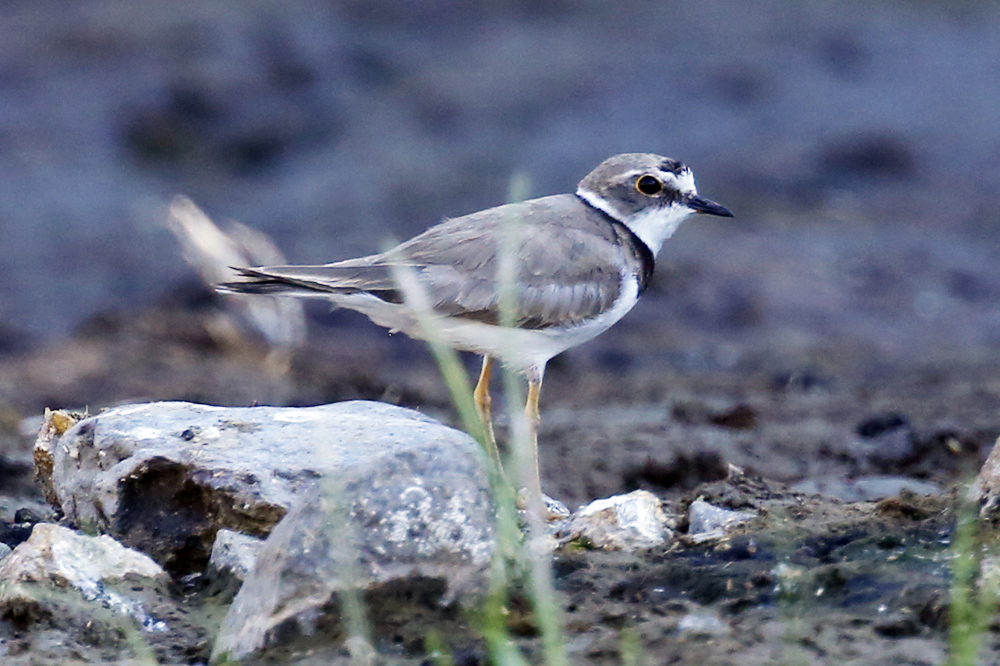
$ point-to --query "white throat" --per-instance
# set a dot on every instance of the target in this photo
(656, 225)
(653, 226)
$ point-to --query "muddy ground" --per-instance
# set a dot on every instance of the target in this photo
(841, 333)
(812, 580)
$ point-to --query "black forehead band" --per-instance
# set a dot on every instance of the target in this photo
(673, 167)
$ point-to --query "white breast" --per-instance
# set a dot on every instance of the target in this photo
(652, 226)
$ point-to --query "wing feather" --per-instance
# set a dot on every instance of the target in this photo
(569, 260)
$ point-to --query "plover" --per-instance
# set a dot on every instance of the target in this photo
(581, 261)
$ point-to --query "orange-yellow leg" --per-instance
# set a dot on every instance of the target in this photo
(484, 403)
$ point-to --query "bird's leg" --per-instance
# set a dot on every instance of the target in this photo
(532, 493)
(533, 417)
(551, 509)
(484, 404)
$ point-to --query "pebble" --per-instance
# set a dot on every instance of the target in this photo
(701, 624)
(623, 522)
(707, 521)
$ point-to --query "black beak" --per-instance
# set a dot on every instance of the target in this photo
(702, 205)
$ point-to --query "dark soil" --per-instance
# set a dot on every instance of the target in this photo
(811, 580)
(841, 332)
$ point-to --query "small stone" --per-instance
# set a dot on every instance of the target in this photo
(27, 516)
(233, 557)
(897, 625)
(14, 534)
(701, 624)
(234, 554)
(100, 569)
(624, 522)
(985, 490)
(54, 424)
(707, 522)
(58, 553)
(789, 579)
(92, 591)
(552, 510)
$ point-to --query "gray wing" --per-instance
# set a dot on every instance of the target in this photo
(568, 264)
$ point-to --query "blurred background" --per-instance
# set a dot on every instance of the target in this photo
(857, 143)
(839, 336)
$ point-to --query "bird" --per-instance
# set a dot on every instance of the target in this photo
(576, 264)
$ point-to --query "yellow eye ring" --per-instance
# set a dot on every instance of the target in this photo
(648, 185)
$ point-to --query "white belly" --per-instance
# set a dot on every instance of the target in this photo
(519, 348)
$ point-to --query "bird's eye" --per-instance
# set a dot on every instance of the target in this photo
(649, 185)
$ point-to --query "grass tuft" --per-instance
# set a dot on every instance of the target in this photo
(975, 588)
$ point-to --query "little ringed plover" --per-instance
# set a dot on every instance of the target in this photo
(581, 261)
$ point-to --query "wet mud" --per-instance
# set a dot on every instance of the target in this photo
(811, 579)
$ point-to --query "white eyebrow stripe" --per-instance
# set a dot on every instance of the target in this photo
(682, 182)
(671, 179)
(685, 182)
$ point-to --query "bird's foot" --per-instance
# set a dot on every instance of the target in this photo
(552, 509)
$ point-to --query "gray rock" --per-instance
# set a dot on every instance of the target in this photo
(985, 490)
(623, 522)
(406, 545)
(702, 624)
(707, 521)
(5, 550)
(42, 570)
(233, 557)
(234, 554)
(54, 425)
(165, 477)
(73, 595)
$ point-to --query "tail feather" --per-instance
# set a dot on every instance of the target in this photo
(261, 281)
(257, 287)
